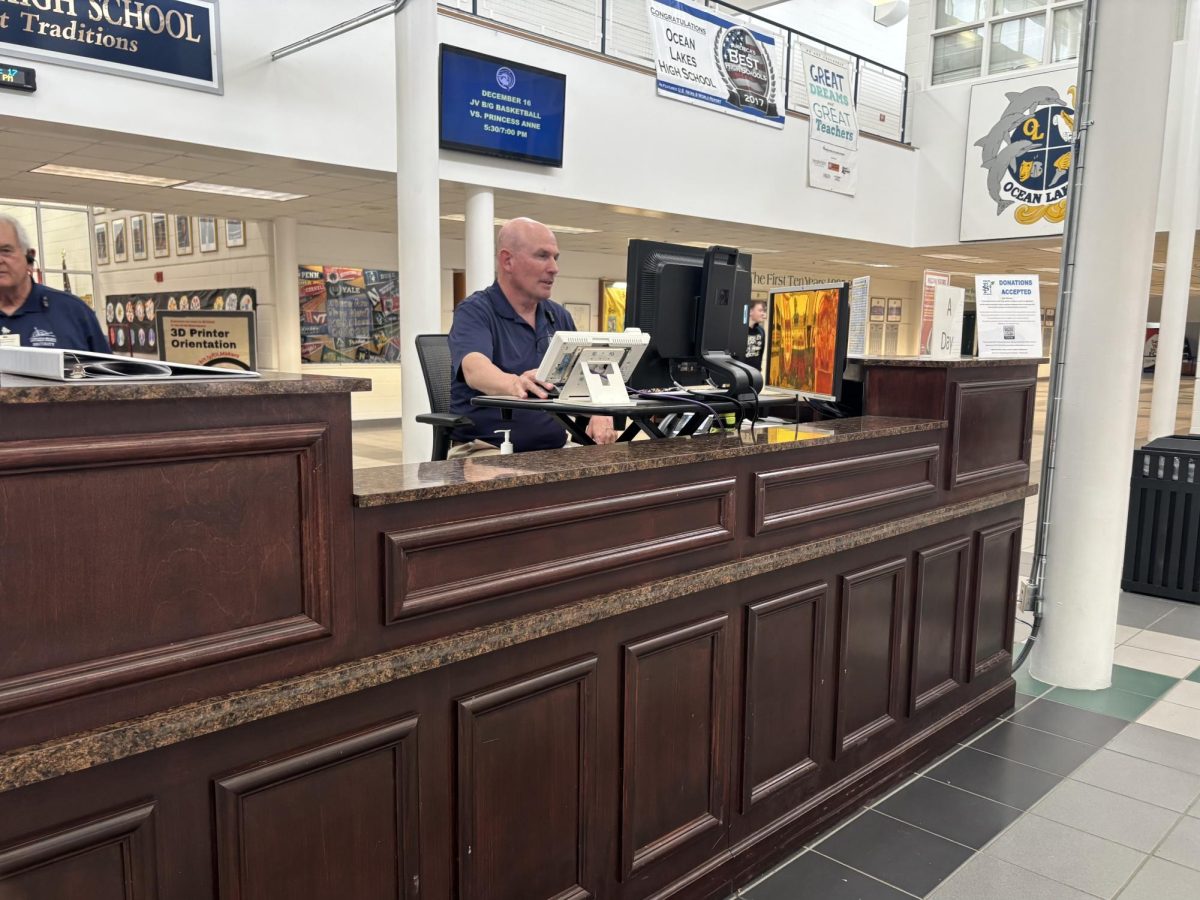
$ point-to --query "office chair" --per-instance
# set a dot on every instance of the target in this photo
(433, 350)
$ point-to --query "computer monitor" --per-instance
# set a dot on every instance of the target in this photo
(694, 304)
(592, 366)
(808, 332)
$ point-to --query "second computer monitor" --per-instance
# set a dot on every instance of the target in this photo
(808, 333)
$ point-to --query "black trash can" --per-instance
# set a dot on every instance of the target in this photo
(1162, 536)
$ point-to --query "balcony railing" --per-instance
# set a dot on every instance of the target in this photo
(621, 29)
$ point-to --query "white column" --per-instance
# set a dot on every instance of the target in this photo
(1114, 203)
(285, 285)
(481, 238)
(417, 193)
(1177, 285)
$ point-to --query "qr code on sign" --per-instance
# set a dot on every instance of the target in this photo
(1010, 332)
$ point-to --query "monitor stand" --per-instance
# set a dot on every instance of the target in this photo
(744, 380)
(595, 377)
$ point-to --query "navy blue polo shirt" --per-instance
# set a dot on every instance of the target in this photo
(486, 323)
(55, 319)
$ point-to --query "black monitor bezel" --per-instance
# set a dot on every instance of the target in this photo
(841, 349)
(474, 149)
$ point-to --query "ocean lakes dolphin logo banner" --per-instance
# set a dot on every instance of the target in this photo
(708, 60)
(1019, 148)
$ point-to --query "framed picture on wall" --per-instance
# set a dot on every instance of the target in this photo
(895, 309)
(206, 228)
(183, 235)
(119, 247)
(137, 236)
(102, 243)
(159, 234)
(235, 233)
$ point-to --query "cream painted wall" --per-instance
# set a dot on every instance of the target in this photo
(845, 23)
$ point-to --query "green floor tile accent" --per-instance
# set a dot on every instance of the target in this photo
(1195, 676)
(1148, 684)
(1110, 701)
(1027, 684)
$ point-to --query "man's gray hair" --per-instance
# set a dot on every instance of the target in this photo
(18, 229)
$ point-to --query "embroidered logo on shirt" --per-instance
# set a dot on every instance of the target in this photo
(43, 338)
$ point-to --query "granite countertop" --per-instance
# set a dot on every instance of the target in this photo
(18, 389)
(386, 485)
(962, 362)
(61, 756)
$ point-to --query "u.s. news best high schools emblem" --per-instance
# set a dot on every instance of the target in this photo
(746, 70)
(1027, 154)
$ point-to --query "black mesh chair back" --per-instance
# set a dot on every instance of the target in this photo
(433, 352)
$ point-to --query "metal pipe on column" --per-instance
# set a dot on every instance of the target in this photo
(1164, 404)
(480, 237)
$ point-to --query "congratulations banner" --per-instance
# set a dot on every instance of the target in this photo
(710, 61)
(171, 41)
(832, 125)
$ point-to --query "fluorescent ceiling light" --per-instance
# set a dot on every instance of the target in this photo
(105, 175)
(230, 190)
(957, 256)
(634, 211)
(561, 229)
(1050, 249)
(859, 262)
(1054, 270)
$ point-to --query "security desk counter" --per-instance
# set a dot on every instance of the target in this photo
(233, 668)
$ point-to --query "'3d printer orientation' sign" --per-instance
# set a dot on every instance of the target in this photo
(169, 41)
(707, 60)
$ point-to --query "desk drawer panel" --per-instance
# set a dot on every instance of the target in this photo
(444, 566)
(855, 486)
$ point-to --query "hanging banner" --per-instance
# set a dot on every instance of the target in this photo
(1009, 317)
(131, 318)
(832, 124)
(176, 42)
(930, 282)
(1018, 156)
(349, 315)
(707, 60)
(860, 289)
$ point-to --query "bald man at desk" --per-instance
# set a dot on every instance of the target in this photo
(498, 339)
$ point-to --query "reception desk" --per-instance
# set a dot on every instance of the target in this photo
(231, 667)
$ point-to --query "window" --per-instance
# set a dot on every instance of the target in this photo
(986, 37)
(62, 236)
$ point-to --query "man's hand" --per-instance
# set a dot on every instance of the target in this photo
(600, 430)
(527, 384)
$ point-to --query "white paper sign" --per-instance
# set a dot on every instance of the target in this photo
(860, 289)
(948, 302)
(707, 60)
(1020, 133)
(832, 124)
(1008, 316)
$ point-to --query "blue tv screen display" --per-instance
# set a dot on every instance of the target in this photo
(501, 108)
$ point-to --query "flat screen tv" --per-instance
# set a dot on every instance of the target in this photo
(497, 107)
(807, 337)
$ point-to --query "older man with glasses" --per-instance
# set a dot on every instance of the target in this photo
(33, 315)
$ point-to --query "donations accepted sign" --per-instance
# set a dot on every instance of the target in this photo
(1008, 314)
(707, 60)
(170, 41)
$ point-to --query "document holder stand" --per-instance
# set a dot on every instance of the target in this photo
(596, 378)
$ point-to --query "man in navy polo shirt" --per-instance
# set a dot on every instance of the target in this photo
(33, 315)
(498, 339)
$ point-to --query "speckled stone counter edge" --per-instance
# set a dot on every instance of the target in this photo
(962, 362)
(386, 485)
(30, 765)
(16, 389)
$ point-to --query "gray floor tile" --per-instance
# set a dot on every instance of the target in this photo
(1070, 722)
(1195, 810)
(1140, 611)
(1163, 747)
(811, 876)
(995, 778)
(1064, 854)
(954, 814)
(906, 857)
(1140, 779)
(985, 877)
(1182, 622)
(1044, 751)
(1124, 820)
(1162, 880)
(1183, 844)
